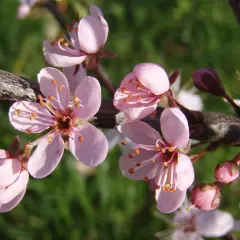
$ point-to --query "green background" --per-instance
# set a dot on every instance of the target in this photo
(183, 34)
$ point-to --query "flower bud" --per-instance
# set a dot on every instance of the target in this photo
(207, 80)
(206, 196)
(227, 172)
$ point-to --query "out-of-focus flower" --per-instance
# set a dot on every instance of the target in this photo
(193, 224)
(206, 196)
(67, 119)
(227, 172)
(188, 98)
(13, 179)
(140, 90)
(87, 38)
(25, 7)
(160, 160)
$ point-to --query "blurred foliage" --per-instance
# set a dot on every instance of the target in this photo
(182, 34)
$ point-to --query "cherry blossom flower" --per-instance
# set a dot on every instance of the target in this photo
(67, 119)
(140, 90)
(25, 7)
(13, 180)
(87, 38)
(160, 160)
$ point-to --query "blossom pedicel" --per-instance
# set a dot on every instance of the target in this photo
(159, 160)
(68, 120)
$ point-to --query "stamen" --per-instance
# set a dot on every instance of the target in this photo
(154, 113)
(54, 82)
(66, 44)
(50, 139)
(157, 148)
(139, 98)
(139, 85)
(33, 116)
(158, 187)
(60, 87)
(80, 139)
(18, 111)
(165, 164)
(123, 142)
(28, 131)
(153, 161)
(171, 149)
(75, 99)
(51, 98)
(123, 90)
(136, 150)
(77, 105)
(131, 170)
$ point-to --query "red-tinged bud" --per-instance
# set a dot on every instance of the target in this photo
(206, 196)
(173, 77)
(227, 172)
(207, 80)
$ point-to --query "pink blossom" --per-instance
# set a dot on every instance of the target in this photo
(13, 180)
(227, 172)
(160, 160)
(140, 90)
(68, 120)
(87, 38)
(25, 7)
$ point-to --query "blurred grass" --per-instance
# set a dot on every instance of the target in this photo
(181, 34)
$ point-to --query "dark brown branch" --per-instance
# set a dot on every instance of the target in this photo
(205, 126)
(235, 4)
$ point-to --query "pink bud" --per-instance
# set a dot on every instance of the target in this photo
(207, 80)
(206, 196)
(227, 172)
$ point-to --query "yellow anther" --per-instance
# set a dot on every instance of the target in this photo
(165, 164)
(123, 90)
(157, 148)
(162, 150)
(167, 185)
(80, 139)
(66, 44)
(171, 149)
(18, 111)
(138, 85)
(77, 105)
(33, 116)
(76, 99)
(131, 170)
(54, 82)
(51, 98)
(123, 142)
(153, 160)
(50, 139)
(61, 40)
(136, 150)
(42, 104)
(139, 98)
(60, 87)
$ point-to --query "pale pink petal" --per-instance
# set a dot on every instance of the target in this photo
(74, 36)
(13, 203)
(174, 127)
(88, 144)
(9, 171)
(23, 10)
(185, 172)
(92, 34)
(59, 58)
(140, 172)
(127, 78)
(184, 235)
(47, 156)
(16, 188)
(139, 132)
(30, 117)
(140, 112)
(169, 201)
(95, 11)
(74, 77)
(214, 223)
(4, 154)
(89, 93)
(152, 77)
(54, 83)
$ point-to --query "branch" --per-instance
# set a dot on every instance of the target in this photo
(204, 126)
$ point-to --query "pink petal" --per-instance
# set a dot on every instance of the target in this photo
(13, 203)
(174, 127)
(47, 156)
(169, 201)
(185, 172)
(92, 148)
(140, 112)
(95, 11)
(20, 114)
(184, 235)
(54, 83)
(139, 132)
(59, 58)
(127, 78)
(4, 154)
(9, 171)
(146, 170)
(152, 77)
(74, 78)
(23, 10)
(89, 93)
(92, 34)
(214, 223)
(15, 189)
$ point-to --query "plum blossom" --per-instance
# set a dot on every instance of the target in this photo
(67, 118)
(160, 160)
(140, 91)
(13, 180)
(25, 7)
(87, 38)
